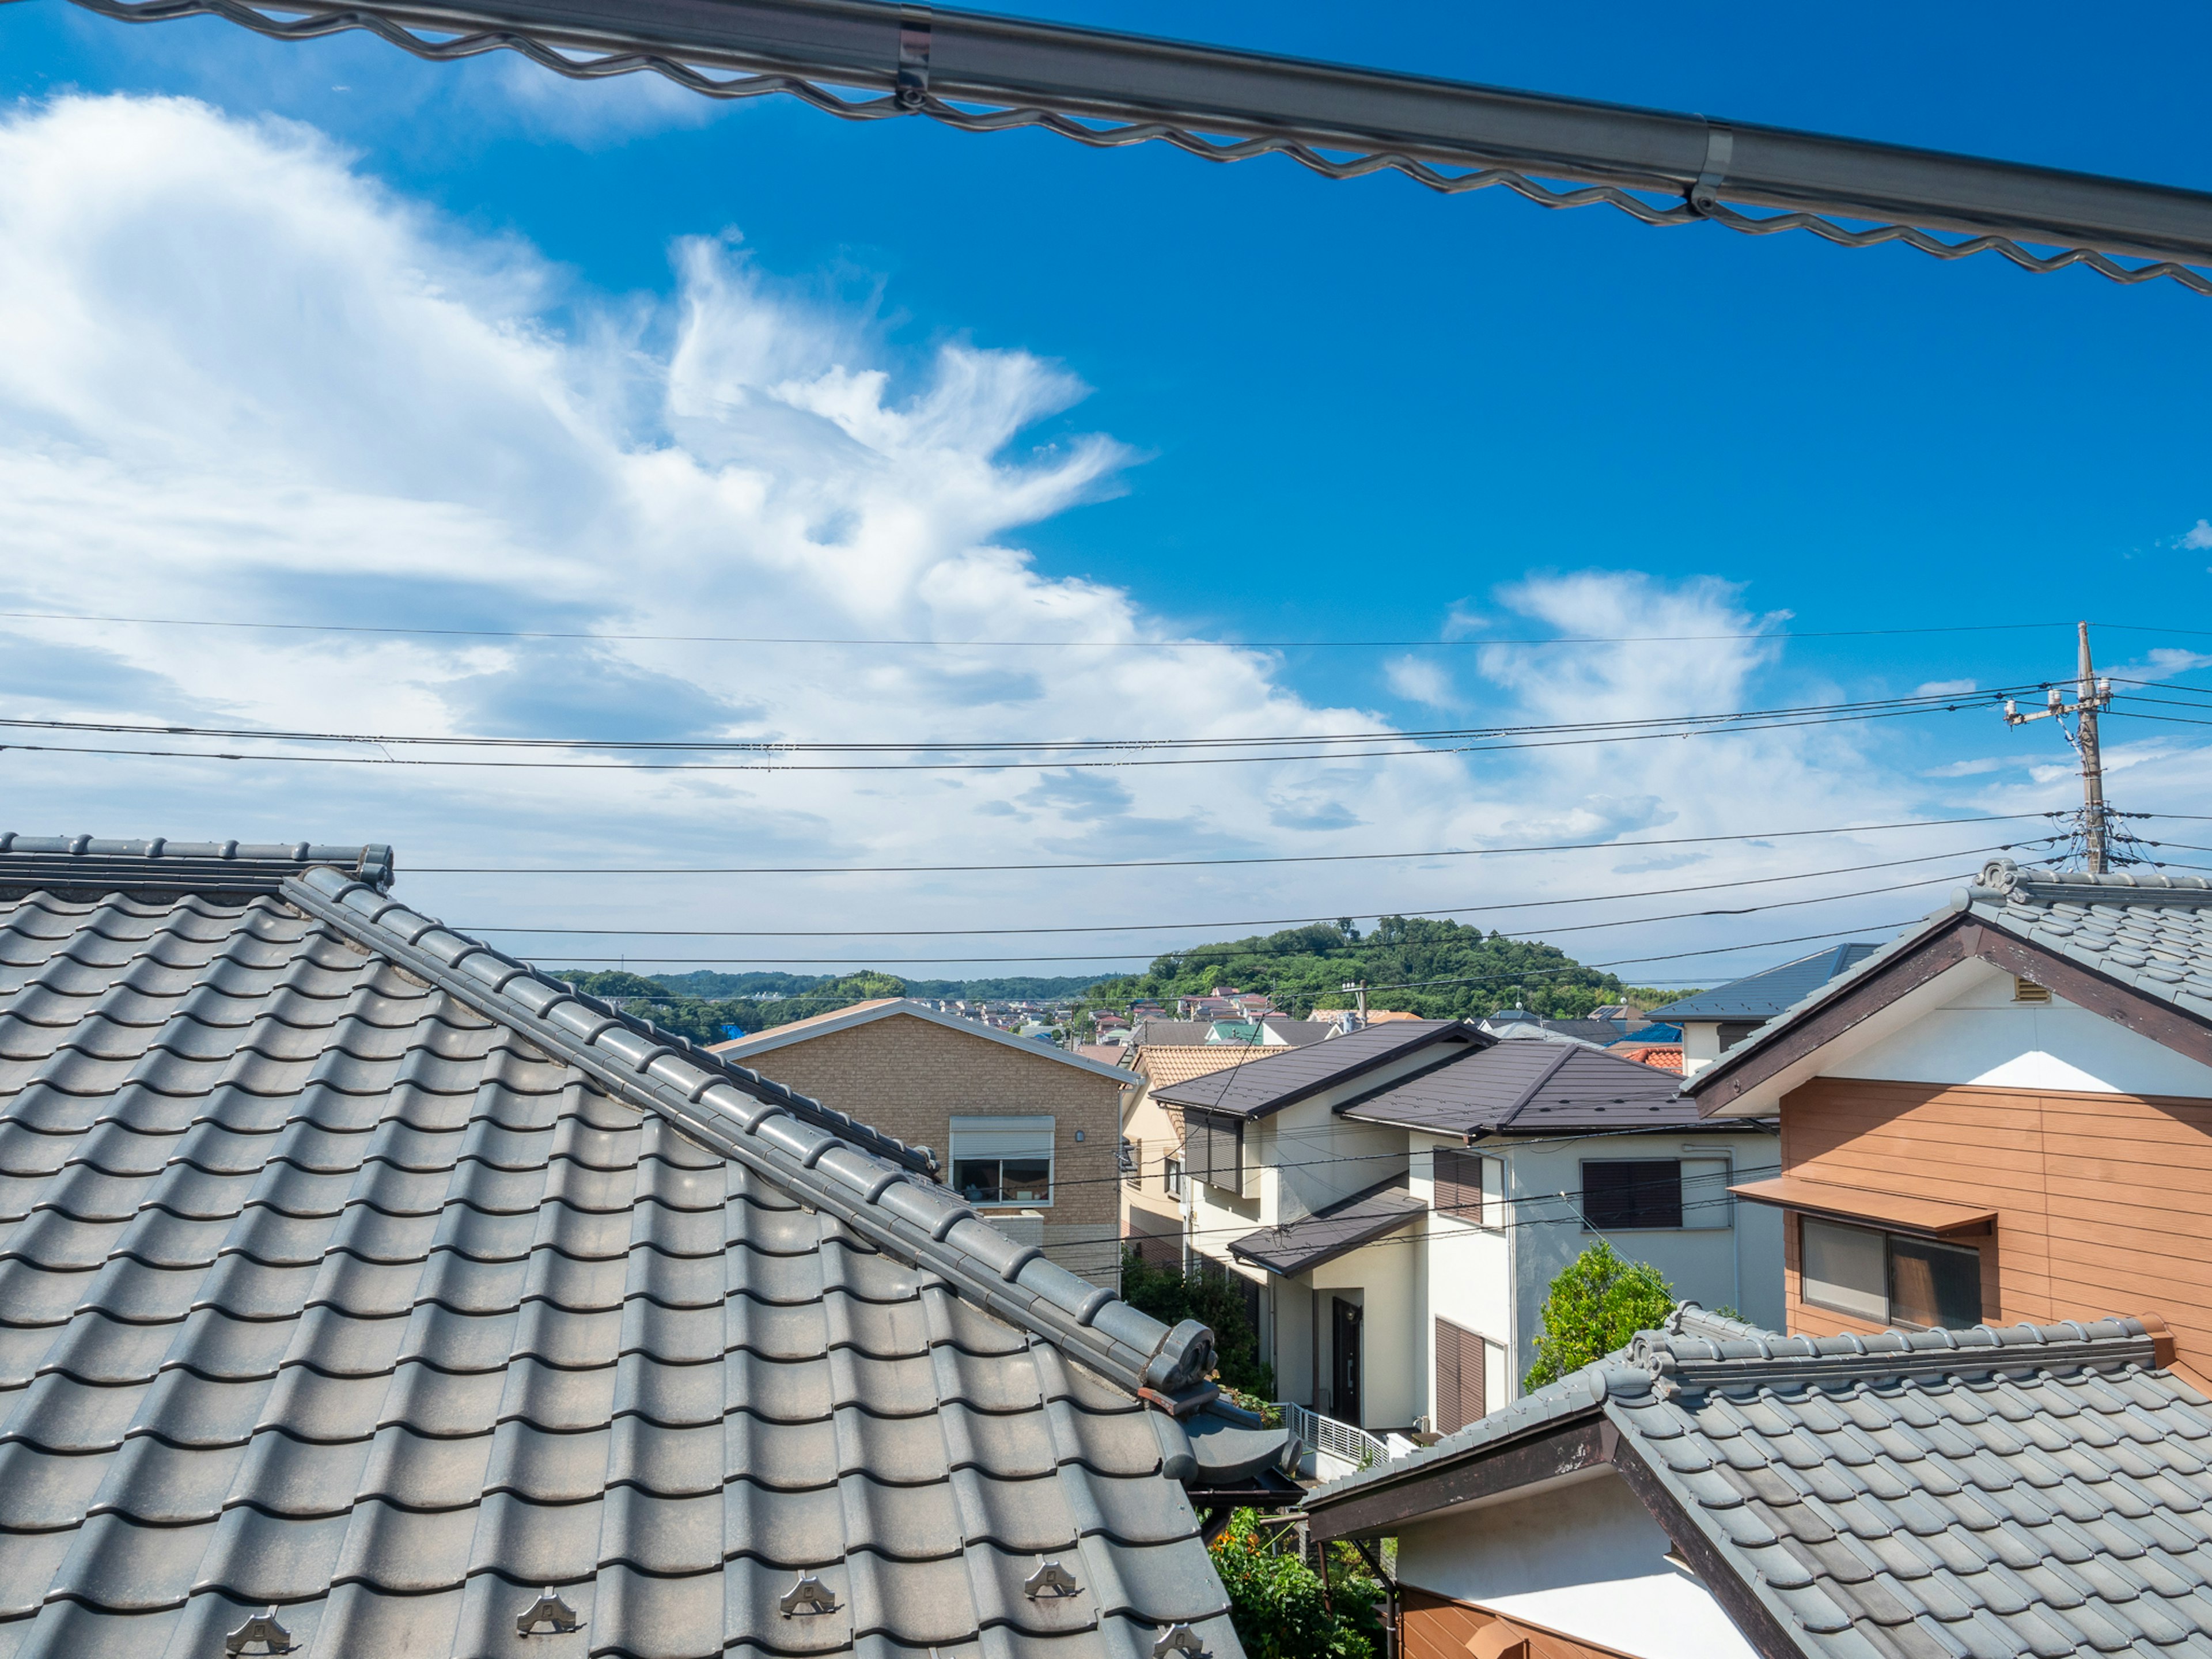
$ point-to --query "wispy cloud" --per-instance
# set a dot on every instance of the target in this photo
(1943, 688)
(1422, 680)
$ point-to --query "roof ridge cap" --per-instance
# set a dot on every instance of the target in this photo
(758, 1123)
(1702, 1364)
(31, 862)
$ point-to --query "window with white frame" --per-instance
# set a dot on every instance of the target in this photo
(1003, 1160)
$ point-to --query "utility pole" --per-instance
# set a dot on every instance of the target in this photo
(2090, 695)
(1360, 991)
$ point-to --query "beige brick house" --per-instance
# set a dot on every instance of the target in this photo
(1028, 1133)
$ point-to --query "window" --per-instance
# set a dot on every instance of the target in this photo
(1462, 1364)
(1888, 1279)
(1003, 1160)
(1131, 1162)
(1213, 1150)
(1171, 1176)
(1471, 1186)
(1620, 1194)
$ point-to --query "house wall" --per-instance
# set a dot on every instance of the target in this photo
(1394, 1387)
(1466, 1274)
(1149, 1211)
(1738, 1265)
(2098, 1194)
(1580, 1557)
(910, 1077)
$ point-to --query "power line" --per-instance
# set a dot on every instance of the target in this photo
(896, 962)
(1124, 753)
(1163, 864)
(594, 637)
(1277, 921)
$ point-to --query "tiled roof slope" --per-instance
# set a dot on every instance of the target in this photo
(1766, 993)
(2150, 932)
(347, 1268)
(2031, 1490)
(1281, 1076)
(1532, 1088)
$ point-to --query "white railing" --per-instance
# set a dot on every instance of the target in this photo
(1331, 1438)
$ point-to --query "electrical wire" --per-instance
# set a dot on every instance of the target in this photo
(1050, 644)
(1163, 864)
(1277, 921)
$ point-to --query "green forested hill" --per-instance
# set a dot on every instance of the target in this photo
(1304, 968)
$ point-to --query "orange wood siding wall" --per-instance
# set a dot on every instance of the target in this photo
(1434, 1628)
(2101, 1199)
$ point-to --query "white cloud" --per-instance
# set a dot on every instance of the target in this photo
(1943, 689)
(238, 380)
(1422, 680)
(2198, 538)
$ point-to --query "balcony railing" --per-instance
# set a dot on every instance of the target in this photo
(1331, 1438)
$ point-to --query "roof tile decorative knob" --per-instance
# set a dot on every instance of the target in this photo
(263, 1628)
(810, 1595)
(1050, 1582)
(1183, 1639)
(549, 1612)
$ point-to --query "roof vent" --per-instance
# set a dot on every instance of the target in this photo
(549, 1612)
(261, 1628)
(1050, 1582)
(809, 1596)
(2026, 990)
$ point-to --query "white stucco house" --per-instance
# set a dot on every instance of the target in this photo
(1399, 1199)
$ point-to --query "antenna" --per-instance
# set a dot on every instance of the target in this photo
(2090, 695)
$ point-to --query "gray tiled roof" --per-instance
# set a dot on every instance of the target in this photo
(1767, 992)
(2030, 1490)
(347, 1267)
(1296, 1246)
(2150, 932)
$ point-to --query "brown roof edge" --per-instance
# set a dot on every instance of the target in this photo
(1936, 1218)
(1560, 1446)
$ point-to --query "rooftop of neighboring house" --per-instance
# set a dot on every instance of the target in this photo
(1280, 1077)
(2125, 940)
(1164, 1066)
(1509, 1088)
(1664, 1056)
(2033, 1490)
(858, 1014)
(1313, 1241)
(355, 1272)
(1764, 994)
(1280, 1030)
(1594, 1030)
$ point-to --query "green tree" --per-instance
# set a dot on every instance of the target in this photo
(1598, 1301)
(1171, 1296)
(1277, 1601)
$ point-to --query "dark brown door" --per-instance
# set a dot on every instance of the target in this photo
(1344, 1378)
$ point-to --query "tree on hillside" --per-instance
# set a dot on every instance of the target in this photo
(1599, 1301)
(1306, 968)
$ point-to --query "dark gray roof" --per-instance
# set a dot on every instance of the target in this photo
(347, 1267)
(1522, 1088)
(2151, 932)
(2041, 1490)
(1328, 1233)
(1600, 1031)
(1260, 1086)
(1764, 994)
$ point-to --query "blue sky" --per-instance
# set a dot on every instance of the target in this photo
(1252, 403)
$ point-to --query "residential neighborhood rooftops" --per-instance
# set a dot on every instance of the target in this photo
(1283, 1077)
(2031, 1489)
(1762, 995)
(1522, 1088)
(861, 1013)
(1296, 1246)
(1280, 1030)
(1167, 1066)
(2143, 938)
(351, 1269)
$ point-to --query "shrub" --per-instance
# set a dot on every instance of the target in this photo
(1170, 1296)
(1276, 1603)
(1598, 1301)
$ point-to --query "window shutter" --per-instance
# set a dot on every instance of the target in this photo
(1214, 1148)
(1460, 1376)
